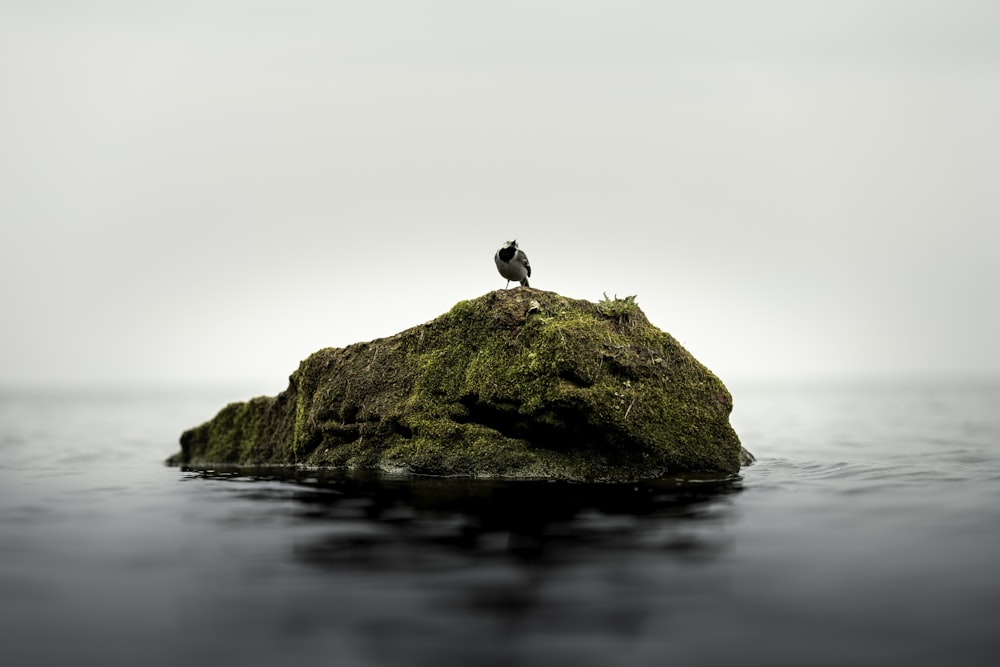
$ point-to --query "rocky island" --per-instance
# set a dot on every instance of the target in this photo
(519, 383)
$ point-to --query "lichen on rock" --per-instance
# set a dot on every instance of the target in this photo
(516, 383)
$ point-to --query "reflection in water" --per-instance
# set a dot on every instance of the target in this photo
(532, 521)
(430, 569)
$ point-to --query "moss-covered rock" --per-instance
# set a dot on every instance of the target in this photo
(516, 383)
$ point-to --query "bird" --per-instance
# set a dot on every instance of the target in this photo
(512, 263)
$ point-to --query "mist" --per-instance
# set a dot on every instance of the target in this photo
(208, 192)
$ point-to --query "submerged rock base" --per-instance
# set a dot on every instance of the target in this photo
(517, 383)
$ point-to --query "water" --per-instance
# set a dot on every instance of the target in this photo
(867, 533)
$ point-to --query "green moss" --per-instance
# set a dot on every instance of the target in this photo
(236, 434)
(515, 383)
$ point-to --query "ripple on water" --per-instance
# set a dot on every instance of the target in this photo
(853, 477)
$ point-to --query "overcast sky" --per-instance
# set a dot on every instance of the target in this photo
(207, 191)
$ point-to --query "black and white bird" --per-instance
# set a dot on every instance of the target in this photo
(512, 263)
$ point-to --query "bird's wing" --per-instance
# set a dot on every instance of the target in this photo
(524, 260)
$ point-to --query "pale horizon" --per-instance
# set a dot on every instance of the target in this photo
(206, 193)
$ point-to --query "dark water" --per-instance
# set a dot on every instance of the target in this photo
(867, 533)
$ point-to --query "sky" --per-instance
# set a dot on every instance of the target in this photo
(199, 192)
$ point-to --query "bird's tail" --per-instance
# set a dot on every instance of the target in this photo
(524, 282)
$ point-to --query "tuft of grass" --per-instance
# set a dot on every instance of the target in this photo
(618, 309)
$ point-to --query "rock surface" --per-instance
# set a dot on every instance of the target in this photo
(516, 383)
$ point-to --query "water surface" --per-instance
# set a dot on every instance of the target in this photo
(868, 532)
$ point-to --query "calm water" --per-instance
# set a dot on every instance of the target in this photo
(867, 533)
